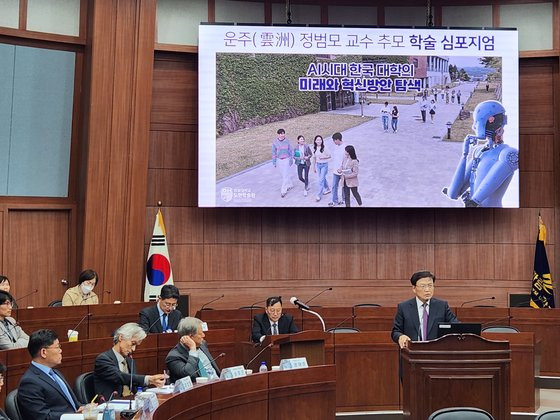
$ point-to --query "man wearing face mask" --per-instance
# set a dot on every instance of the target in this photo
(83, 293)
(273, 321)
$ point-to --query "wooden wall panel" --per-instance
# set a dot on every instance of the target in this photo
(184, 225)
(290, 226)
(173, 150)
(536, 189)
(536, 152)
(347, 261)
(241, 226)
(291, 262)
(536, 85)
(464, 261)
(173, 187)
(343, 226)
(399, 261)
(187, 262)
(455, 226)
(405, 226)
(515, 262)
(232, 262)
(519, 226)
(39, 254)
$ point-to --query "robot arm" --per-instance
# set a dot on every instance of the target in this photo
(503, 169)
(460, 181)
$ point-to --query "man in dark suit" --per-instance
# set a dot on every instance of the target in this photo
(191, 356)
(417, 318)
(115, 371)
(43, 393)
(164, 316)
(273, 321)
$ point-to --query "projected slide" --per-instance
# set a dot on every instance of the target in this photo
(350, 117)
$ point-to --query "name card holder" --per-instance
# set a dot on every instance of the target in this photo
(183, 384)
(233, 372)
(294, 363)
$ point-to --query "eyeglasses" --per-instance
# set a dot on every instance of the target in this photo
(168, 305)
(8, 303)
(425, 286)
(274, 311)
(57, 347)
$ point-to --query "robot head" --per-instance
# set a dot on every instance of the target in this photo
(489, 119)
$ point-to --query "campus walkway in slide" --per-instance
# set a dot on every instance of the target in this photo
(407, 168)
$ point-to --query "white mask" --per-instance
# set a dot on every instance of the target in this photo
(86, 289)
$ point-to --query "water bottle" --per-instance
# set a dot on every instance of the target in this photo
(263, 367)
(138, 401)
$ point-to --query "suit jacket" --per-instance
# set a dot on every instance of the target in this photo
(3, 415)
(16, 332)
(107, 376)
(407, 321)
(261, 326)
(181, 364)
(150, 315)
(39, 398)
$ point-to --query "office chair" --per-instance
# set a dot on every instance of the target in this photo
(251, 307)
(84, 388)
(501, 329)
(460, 413)
(343, 330)
(367, 305)
(56, 302)
(549, 415)
(12, 408)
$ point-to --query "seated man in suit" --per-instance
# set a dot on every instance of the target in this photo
(164, 316)
(11, 334)
(115, 371)
(191, 356)
(417, 318)
(43, 393)
(273, 321)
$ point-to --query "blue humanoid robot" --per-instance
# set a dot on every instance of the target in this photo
(482, 177)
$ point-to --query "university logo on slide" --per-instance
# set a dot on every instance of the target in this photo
(158, 269)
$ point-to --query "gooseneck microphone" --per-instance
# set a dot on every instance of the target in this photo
(212, 301)
(28, 294)
(81, 320)
(258, 354)
(295, 301)
(209, 363)
(492, 322)
(333, 330)
(318, 294)
(128, 414)
(477, 300)
(157, 319)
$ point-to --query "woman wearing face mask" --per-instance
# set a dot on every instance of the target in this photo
(83, 293)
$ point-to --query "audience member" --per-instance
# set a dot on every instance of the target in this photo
(11, 334)
(273, 321)
(43, 393)
(191, 357)
(164, 316)
(82, 293)
(115, 371)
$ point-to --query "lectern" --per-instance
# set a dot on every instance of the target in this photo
(457, 370)
(309, 344)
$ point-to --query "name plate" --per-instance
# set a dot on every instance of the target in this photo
(233, 372)
(294, 363)
(183, 384)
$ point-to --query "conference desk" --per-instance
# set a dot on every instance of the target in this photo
(280, 395)
(103, 321)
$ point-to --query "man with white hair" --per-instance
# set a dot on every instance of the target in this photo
(115, 370)
(191, 357)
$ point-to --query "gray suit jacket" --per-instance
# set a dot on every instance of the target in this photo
(12, 336)
(181, 364)
(407, 321)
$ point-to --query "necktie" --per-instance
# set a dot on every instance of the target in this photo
(425, 322)
(126, 389)
(164, 322)
(60, 383)
(201, 369)
(275, 329)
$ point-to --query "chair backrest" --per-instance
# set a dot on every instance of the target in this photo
(460, 413)
(549, 415)
(84, 388)
(252, 307)
(56, 302)
(12, 408)
(343, 330)
(367, 305)
(501, 329)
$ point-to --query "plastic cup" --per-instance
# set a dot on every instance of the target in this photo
(72, 335)
(201, 379)
(248, 371)
(90, 412)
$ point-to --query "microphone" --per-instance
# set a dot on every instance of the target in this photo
(489, 323)
(81, 320)
(29, 294)
(209, 363)
(477, 300)
(318, 294)
(258, 354)
(295, 301)
(340, 323)
(128, 414)
(212, 301)
(334, 334)
(156, 321)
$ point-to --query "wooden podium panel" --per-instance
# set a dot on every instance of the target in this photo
(195, 404)
(302, 394)
(524, 396)
(375, 386)
(545, 323)
(106, 318)
(456, 371)
(375, 318)
(309, 344)
(333, 317)
(485, 316)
